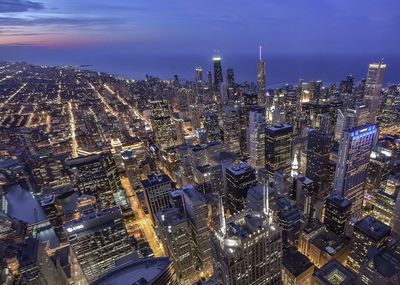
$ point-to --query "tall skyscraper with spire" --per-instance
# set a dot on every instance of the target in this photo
(247, 248)
(261, 75)
(218, 76)
(373, 89)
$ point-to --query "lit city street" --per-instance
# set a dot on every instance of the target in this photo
(199, 142)
(143, 221)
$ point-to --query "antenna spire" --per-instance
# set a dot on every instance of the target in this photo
(260, 53)
(266, 197)
(222, 221)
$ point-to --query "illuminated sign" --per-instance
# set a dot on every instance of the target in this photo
(75, 228)
(232, 243)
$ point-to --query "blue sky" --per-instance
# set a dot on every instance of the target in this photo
(235, 26)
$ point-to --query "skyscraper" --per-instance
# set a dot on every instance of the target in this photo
(210, 83)
(346, 85)
(337, 213)
(318, 152)
(351, 169)
(161, 123)
(96, 175)
(373, 89)
(247, 249)
(368, 233)
(98, 240)
(256, 137)
(240, 178)
(211, 125)
(278, 149)
(231, 129)
(196, 210)
(230, 78)
(261, 75)
(218, 76)
(199, 74)
(382, 267)
(290, 219)
(157, 189)
(173, 228)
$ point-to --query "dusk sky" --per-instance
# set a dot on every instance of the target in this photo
(289, 26)
(111, 35)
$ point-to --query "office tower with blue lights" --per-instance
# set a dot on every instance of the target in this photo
(247, 248)
(98, 240)
(373, 89)
(261, 75)
(218, 76)
(278, 149)
(352, 165)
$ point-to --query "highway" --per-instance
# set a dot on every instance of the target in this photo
(13, 95)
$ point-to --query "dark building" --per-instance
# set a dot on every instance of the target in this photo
(346, 85)
(36, 267)
(98, 240)
(161, 123)
(318, 152)
(303, 191)
(337, 213)
(383, 267)
(240, 178)
(157, 190)
(155, 271)
(96, 175)
(250, 99)
(230, 78)
(333, 273)
(278, 149)
(47, 171)
(297, 269)
(290, 219)
(49, 206)
(218, 76)
(367, 233)
(211, 125)
(173, 228)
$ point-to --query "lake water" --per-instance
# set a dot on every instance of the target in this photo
(281, 68)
